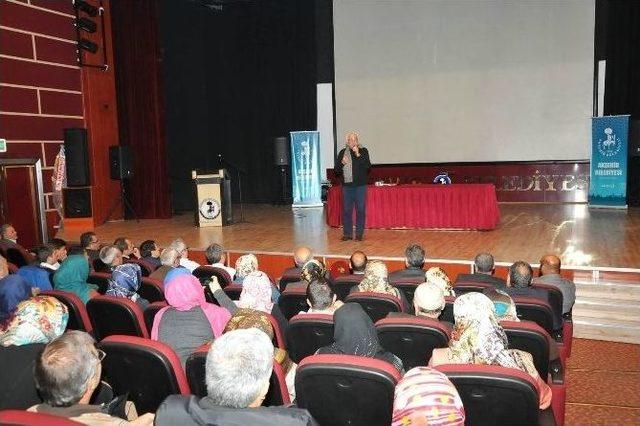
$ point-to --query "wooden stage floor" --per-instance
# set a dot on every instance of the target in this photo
(583, 237)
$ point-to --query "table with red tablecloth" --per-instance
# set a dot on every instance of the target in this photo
(457, 206)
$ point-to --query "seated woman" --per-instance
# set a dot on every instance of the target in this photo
(438, 276)
(376, 280)
(425, 396)
(257, 292)
(125, 277)
(245, 265)
(478, 339)
(354, 334)
(503, 304)
(25, 319)
(72, 277)
(189, 321)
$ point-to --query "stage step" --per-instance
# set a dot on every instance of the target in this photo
(607, 310)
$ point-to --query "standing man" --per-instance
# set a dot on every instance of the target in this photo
(353, 164)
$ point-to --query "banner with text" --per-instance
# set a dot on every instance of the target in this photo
(305, 169)
(608, 186)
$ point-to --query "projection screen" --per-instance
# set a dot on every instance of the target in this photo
(465, 80)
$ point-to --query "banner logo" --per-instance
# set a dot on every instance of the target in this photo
(610, 145)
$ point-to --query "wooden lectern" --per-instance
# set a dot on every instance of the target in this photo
(213, 197)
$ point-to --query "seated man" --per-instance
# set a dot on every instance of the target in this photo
(50, 262)
(38, 273)
(9, 235)
(150, 253)
(66, 374)
(301, 255)
(414, 262)
(216, 258)
(238, 367)
(550, 275)
(91, 243)
(519, 282)
(127, 248)
(321, 299)
(357, 262)
(169, 258)
(483, 267)
(183, 251)
(125, 277)
(59, 249)
(428, 301)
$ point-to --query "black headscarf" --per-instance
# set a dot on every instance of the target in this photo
(355, 334)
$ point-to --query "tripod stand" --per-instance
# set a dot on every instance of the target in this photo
(124, 200)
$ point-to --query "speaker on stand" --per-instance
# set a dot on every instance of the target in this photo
(281, 159)
(121, 168)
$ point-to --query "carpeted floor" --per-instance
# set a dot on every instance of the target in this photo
(603, 384)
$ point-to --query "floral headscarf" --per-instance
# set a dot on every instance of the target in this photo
(313, 270)
(256, 292)
(439, 277)
(425, 396)
(245, 265)
(376, 279)
(38, 319)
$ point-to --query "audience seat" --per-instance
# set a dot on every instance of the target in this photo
(412, 339)
(116, 315)
(19, 256)
(494, 395)
(536, 310)
(307, 333)
(152, 290)
(278, 335)
(205, 272)
(339, 268)
(277, 395)
(408, 286)
(556, 302)
(78, 316)
(447, 312)
(346, 389)
(343, 285)
(101, 279)
(145, 267)
(233, 291)
(148, 370)
(376, 305)
(150, 313)
(288, 278)
(99, 266)
(28, 418)
(463, 287)
(13, 269)
(292, 301)
(17, 388)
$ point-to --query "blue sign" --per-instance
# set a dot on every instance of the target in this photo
(608, 186)
(305, 169)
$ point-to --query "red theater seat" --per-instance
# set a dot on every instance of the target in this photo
(145, 268)
(288, 278)
(346, 389)
(27, 418)
(101, 279)
(556, 302)
(412, 339)
(408, 286)
(233, 291)
(447, 312)
(307, 333)
(376, 305)
(151, 290)
(463, 287)
(78, 316)
(292, 301)
(204, 273)
(150, 313)
(343, 284)
(148, 370)
(116, 315)
(494, 395)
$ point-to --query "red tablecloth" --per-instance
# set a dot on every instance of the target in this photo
(458, 206)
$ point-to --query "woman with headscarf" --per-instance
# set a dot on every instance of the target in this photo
(376, 280)
(355, 334)
(425, 396)
(503, 305)
(125, 281)
(477, 338)
(245, 265)
(256, 294)
(189, 321)
(25, 319)
(72, 277)
(438, 276)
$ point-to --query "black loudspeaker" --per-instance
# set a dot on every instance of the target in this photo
(77, 157)
(120, 162)
(280, 151)
(77, 202)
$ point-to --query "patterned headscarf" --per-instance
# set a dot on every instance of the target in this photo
(503, 305)
(249, 318)
(376, 279)
(245, 265)
(425, 396)
(39, 319)
(477, 337)
(438, 276)
(256, 292)
(124, 281)
(313, 270)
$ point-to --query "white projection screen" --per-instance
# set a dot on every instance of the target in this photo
(427, 81)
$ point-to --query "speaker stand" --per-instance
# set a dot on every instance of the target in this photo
(124, 200)
(242, 220)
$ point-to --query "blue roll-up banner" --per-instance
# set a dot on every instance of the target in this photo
(609, 137)
(305, 169)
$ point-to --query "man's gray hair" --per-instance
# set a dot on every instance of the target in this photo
(214, 253)
(484, 262)
(178, 245)
(108, 254)
(63, 370)
(169, 256)
(4, 228)
(415, 256)
(238, 365)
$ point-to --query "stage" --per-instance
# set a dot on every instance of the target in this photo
(583, 237)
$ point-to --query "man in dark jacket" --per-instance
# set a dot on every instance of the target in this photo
(238, 368)
(414, 262)
(352, 163)
(519, 282)
(483, 272)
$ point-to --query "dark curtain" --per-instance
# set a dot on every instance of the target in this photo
(140, 104)
(237, 74)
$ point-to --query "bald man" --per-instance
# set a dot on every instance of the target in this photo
(357, 262)
(550, 275)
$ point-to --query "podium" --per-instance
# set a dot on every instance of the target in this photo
(213, 198)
